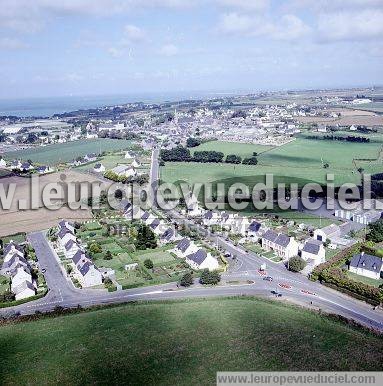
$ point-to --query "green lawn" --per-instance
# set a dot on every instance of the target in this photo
(299, 161)
(64, 152)
(4, 284)
(158, 257)
(241, 149)
(365, 280)
(181, 343)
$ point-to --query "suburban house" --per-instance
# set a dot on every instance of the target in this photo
(184, 248)
(254, 229)
(210, 218)
(90, 157)
(129, 155)
(136, 163)
(329, 232)
(168, 236)
(366, 265)
(44, 169)
(99, 168)
(314, 251)
(283, 245)
(16, 266)
(26, 166)
(3, 164)
(365, 212)
(124, 171)
(202, 260)
(85, 271)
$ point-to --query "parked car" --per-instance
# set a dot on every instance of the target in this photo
(268, 278)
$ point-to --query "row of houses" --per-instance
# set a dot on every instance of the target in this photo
(84, 270)
(196, 257)
(17, 268)
(165, 233)
(24, 166)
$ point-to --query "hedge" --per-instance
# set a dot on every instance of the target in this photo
(330, 272)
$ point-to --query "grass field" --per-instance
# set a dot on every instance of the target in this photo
(241, 149)
(365, 280)
(299, 161)
(181, 343)
(65, 152)
(158, 257)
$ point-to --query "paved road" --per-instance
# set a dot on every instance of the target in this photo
(244, 270)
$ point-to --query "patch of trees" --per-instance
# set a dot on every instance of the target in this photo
(145, 238)
(250, 161)
(193, 142)
(208, 156)
(233, 159)
(375, 231)
(208, 277)
(186, 280)
(296, 264)
(348, 138)
(178, 154)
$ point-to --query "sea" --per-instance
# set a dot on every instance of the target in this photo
(46, 107)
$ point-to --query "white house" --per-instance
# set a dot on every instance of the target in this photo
(328, 232)
(89, 274)
(44, 169)
(66, 224)
(24, 290)
(129, 155)
(366, 265)
(99, 168)
(185, 247)
(254, 229)
(3, 163)
(71, 248)
(12, 249)
(124, 171)
(283, 245)
(314, 250)
(136, 163)
(202, 260)
(22, 274)
(64, 236)
(211, 218)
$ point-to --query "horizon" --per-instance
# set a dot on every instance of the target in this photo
(113, 47)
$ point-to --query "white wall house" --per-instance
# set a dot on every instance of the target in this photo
(124, 171)
(328, 232)
(202, 260)
(283, 245)
(314, 250)
(366, 265)
(185, 247)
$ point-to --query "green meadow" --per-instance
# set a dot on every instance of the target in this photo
(65, 152)
(181, 343)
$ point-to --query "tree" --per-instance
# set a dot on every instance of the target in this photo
(95, 248)
(250, 161)
(208, 277)
(148, 264)
(193, 142)
(296, 264)
(186, 280)
(233, 159)
(145, 238)
(376, 232)
(326, 166)
(108, 255)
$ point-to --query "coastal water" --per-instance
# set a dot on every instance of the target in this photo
(46, 107)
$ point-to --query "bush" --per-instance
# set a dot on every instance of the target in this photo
(208, 277)
(233, 159)
(296, 264)
(148, 264)
(95, 248)
(250, 161)
(108, 255)
(186, 280)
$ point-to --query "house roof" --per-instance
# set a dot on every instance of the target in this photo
(270, 235)
(23, 286)
(365, 261)
(69, 245)
(63, 231)
(155, 223)
(255, 226)
(282, 240)
(198, 257)
(183, 244)
(208, 215)
(168, 234)
(11, 246)
(330, 229)
(78, 256)
(145, 216)
(312, 247)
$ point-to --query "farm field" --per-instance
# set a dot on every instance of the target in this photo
(299, 161)
(14, 221)
(136, 342)
(241, 149)
(65, 152)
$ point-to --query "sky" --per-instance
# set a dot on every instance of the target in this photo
(111, 47)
